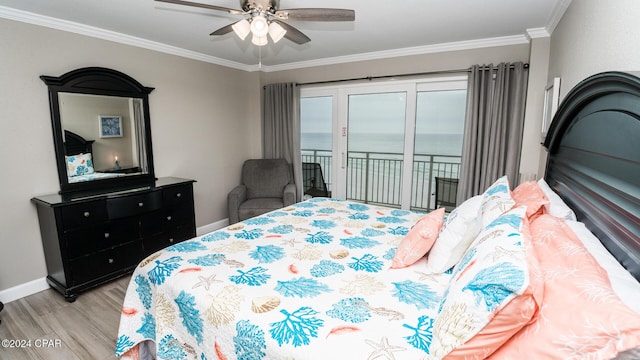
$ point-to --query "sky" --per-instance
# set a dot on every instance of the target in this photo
(438, 112)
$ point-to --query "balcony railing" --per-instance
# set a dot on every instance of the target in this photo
(376, 178)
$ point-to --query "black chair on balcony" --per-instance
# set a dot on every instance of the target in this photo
(313, 183)
(446, 192)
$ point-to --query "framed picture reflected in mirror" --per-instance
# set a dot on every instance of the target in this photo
(110, 126)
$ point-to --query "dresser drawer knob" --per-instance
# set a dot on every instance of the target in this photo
(111, 261)
(106, 235)
(178, 195)
(87, 214)
(171, 240)
(169, 217)
(140, 204)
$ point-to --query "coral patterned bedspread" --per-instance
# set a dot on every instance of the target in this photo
(310, 281)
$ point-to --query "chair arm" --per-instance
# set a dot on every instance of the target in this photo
(289, 196)
(236, 197)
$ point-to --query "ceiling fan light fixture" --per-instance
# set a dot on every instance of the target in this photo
(263, 17)
(259, 26)
(242, 28)
(276, 32)
(259, 40)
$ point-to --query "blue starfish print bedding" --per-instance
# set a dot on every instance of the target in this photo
(310, 281)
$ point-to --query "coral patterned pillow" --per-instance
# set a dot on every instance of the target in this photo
(496, 200)
(581, 316)
(419, 240)
(530, 194)
(494, 292)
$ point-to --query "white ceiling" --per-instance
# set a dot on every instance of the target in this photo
(381, 29)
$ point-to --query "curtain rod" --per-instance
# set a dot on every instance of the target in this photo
(439, 72)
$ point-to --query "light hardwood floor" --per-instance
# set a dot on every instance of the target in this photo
(51, 328)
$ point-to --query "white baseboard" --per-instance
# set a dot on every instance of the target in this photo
(211, 227)
(22, 290)
(37, 285)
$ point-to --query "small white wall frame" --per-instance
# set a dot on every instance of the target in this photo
(551, 101)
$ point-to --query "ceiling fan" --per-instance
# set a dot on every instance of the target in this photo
(265, 17)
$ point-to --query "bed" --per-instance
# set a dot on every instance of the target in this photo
(545, 269)
(79, 159)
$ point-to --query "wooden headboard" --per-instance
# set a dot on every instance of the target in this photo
(76, 144)
(594, 160)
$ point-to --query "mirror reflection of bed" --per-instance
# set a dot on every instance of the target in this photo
(81, 165)
(80, 115)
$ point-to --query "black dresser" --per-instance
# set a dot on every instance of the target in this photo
(92, 239)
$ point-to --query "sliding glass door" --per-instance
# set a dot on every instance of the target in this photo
(317, 115)
(440, 115)
(385, 143)
(375, 147)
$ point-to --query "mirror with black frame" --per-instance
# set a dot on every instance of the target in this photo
(101, 130)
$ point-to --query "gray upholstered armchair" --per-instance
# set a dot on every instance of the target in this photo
(266, 185)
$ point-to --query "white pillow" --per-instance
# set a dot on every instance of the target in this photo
(496, 200)
(458, 231)
(556, 207)
(622, 282)
(79, 164)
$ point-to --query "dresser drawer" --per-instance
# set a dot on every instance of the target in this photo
(134, 204)
(88, 268)
(178, 196)
(161, 241)
(88, 240)
(166, 220)
(83, 214)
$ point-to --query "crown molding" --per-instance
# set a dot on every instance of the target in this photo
(69, 26)
(556, 15)
(536, 33)
(419, 50)
(64, 25)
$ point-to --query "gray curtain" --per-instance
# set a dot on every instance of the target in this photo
(281, 128)
(138, 120)
(493, 127)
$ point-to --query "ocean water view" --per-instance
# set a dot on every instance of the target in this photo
(427, 144)
(377, 176)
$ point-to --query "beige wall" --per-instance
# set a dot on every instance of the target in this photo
(204, 122)
(402, 65)
(595, 36)
(533, 156)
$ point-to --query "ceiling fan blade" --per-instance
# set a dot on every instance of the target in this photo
(316, 14)
(204, 6)
(223, 30)
(292, 33)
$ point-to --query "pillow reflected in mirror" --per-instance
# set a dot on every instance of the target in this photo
(79, 164)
